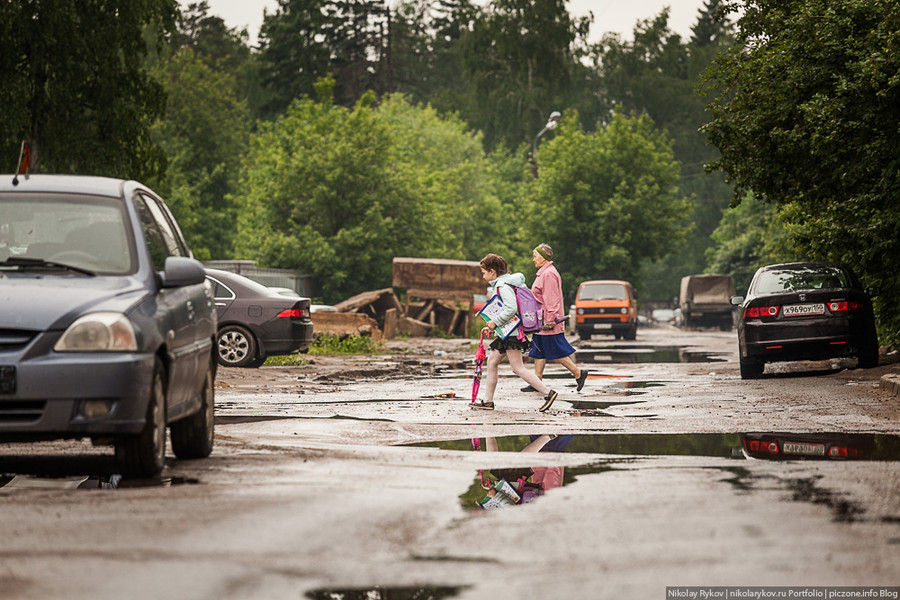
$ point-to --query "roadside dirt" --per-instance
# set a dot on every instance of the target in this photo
(424, 358)
(402, 359)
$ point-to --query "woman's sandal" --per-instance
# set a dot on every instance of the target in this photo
(483, 405)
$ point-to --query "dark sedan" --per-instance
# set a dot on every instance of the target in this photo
(107, 329)
(256, 322)
(805, 311)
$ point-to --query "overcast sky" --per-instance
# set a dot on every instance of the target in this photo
(609, 15)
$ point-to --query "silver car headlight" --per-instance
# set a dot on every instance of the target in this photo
(99, 332)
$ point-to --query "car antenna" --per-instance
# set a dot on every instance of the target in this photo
(24, 163)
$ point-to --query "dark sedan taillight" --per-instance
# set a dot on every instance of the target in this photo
(844, 452)
(761, 446)
(758, 312)
(294, 313)
(844, 306)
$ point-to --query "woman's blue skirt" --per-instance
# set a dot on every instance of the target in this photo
(550, 347)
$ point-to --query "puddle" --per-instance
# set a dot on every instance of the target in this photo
(238, 419)
(773, 446)
(585, 406)
(494, 488)
(437, 398)
(88, 482)
(98, 471)
(385, 593)
(644, 354)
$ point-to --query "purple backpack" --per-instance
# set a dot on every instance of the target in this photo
(530, 310)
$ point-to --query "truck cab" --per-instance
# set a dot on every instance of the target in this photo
(607, 306)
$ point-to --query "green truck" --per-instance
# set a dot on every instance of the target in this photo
(706, 301)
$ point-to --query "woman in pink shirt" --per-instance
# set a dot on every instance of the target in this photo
(550, 343)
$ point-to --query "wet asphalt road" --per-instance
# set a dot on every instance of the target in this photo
(361, 478)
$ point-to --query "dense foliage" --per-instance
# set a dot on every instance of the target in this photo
(76, 87)
(607, 201)
(339, 192)
(359, 130)
(205, 134)
(805, 115)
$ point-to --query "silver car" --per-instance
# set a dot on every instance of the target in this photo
(108, 326)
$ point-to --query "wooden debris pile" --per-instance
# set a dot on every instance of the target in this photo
(438, 295)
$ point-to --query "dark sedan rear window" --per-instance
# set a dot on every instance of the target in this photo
(778, 281)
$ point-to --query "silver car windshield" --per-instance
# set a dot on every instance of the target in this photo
(79, 231)
(778, 281)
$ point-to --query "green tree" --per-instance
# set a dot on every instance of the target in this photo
(223, 49)
(424, 55)
(292, 58)
(204, 134)
(608, 201)
(305, 40)
(519, 60)
(76, 87)
(804, 114)
(338, 192)
(749, 236)
(656, 73)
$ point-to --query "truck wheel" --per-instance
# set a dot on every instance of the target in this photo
(631, 334)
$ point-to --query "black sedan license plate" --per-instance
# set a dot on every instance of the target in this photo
(7, 379)
(804, 449)
(798, 310)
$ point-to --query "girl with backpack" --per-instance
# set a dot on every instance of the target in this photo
(495, 271)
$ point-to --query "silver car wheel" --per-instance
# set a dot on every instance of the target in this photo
(236, 346)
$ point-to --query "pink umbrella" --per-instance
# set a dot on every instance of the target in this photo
(480, 355)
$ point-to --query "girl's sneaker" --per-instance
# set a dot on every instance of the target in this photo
(548, 401)
(483, 405)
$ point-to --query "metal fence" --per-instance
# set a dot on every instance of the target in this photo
(286, 278)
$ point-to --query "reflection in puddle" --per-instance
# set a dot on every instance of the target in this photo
(502, 487)
(384, 593)
(95, 482)
(644, 354)
(832, 446)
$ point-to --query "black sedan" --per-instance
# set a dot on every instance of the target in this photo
(107, 330)
(805, 311)
(256, 322)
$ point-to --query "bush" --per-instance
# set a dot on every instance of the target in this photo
(351, 344)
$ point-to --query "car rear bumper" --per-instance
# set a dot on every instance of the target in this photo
(809, 348)
(297, 338)
(53, 407)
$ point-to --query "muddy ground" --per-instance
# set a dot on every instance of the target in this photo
(314, 491)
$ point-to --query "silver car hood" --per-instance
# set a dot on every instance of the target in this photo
(49, 301)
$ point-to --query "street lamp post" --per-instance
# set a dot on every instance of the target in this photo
(552, 122)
